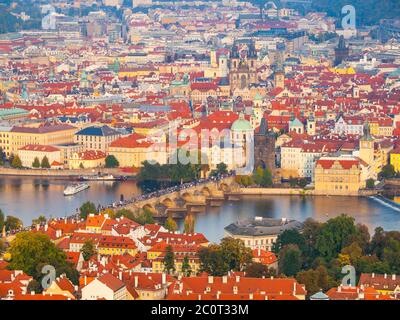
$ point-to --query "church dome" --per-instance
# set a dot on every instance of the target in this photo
(241, 124)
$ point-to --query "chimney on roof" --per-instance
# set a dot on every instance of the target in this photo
(224, 279)
(85, 280)
(393, 277)
(210, 279)
(339, 289)
(373, 275)
(237, 279)
(136, 281)
(46, 227)
(385, 276)
(120, 275)
(251, 296)
(163, 279)
(180, 287)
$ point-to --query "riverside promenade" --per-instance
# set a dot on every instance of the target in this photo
(64, 173)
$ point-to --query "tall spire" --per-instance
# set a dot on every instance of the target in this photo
(263, 127)
(367, 132)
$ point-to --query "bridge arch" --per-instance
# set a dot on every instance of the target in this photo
(206, 192)
(149, 207)
(187, 197)
(167, 202)
(225, 187)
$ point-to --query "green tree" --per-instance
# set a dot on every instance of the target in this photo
(169, 260)
(311, 230)
(186, 269)
(189, 224)
(34, 286)
(259, 270)
(88, 250)
(362, 237)
(144, 217)
(171, 225)
(86, 209)
(30, 252)
(244, 180)
(266, 178)
(13, 223)
(290, 260)
(2, 220)
(220, 170)
(45, 163)
(112, 162)
(40, 220)
(16, 163)
(236, 254)
(125, 213)
(2, 156)
(370, 183)
(378, 242)
(36, 163)
(292, 182)
(2, 247)
(353, 251)
(212, 261)
(315, 280)
(387, 172)
(335, 235)
(302, 183)
(258, 175)
(290, 236)
(391, 255)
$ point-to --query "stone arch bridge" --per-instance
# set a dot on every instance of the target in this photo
(190, 200)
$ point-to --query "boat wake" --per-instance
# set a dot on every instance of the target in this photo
(386, 202)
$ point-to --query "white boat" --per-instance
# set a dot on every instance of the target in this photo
(71, 190)
(106, 177)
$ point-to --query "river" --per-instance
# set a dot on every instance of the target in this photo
(27, 198)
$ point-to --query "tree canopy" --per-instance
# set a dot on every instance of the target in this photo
(30, 252)
(111, 162)
(86, 209)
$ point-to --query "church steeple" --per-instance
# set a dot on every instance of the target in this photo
(367, 132)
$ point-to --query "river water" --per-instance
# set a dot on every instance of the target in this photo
(27, 198)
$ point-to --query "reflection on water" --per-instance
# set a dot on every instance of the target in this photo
(27, 198)
(364, 210)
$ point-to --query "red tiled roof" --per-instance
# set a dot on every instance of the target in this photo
(39, 148)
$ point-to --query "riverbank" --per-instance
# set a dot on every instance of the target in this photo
(62, 174)
(299, 192)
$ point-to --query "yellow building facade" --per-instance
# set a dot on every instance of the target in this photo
(18, 137)
(338, 176)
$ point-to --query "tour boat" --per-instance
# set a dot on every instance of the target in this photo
(105, 177)
(71, 190)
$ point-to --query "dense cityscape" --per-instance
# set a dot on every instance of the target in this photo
(199, 150)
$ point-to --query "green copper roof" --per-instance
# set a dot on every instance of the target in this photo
(241, 124)
(295, 123)
(12, 112)
(258, 97)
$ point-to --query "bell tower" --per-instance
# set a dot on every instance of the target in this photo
(367, 146)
